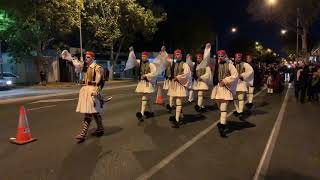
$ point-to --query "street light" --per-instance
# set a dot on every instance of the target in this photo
(283, 31)
(257, 43)
(234, 30)
(271, 2)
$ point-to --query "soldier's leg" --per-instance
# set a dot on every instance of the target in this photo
(200, 99)
(241, 104)
(149, 104)
(100, 128)
(236, 104)
(177, 122)
(223, 118)
(170, 105)
(144, 102)
(85, 126)
(191, 96)
(250, 94)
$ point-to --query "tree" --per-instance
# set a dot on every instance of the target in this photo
(37, 24)
(285, 14)
(115, 22)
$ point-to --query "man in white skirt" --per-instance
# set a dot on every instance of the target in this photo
(88, 103)
(245, 72)
(201, 79)
(191, 66)
(225, 82)
(250, 84)
(146, 86)
(167, 82)
(179, 86)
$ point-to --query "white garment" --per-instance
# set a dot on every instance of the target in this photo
(88, 103)
(226, 92)
(166, 84)
(179, 88)
(148, 86)
(248, 77)
(205, 81)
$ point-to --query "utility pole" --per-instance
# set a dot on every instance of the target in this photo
(1, 62)
(298, 22)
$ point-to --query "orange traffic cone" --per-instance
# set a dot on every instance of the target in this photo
(159, 99)
(23, 132)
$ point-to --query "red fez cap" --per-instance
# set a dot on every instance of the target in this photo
(221, 52)
(144, 53)
(199, 54)
(91, 53)
(177, 51)
(238, 55)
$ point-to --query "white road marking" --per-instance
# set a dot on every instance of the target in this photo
(265, 159)
(53, 100)
(148, 174)
(43, 107)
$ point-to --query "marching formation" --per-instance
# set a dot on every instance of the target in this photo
(225, 81)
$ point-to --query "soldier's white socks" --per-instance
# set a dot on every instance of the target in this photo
(200, 98)
(223, 112)
(191, 96)
(144, 102)
(170, 101)
(178, 109)
(250, 95)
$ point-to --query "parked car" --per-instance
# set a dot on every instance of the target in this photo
(8, 80)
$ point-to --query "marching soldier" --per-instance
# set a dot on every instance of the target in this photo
(168, 79)
(146, 86)
(201, 77)
(224, 81)
(89, 103)
(245, 72)
(251, 82)
(181, 78)
(191, 66)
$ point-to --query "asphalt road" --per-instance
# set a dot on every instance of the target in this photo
(129, 150)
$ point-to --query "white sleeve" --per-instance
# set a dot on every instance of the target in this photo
(233, 77)
(99, 74)
(77, 64)
(248, 74)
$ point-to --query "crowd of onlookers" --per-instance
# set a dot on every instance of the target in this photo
(304, 76)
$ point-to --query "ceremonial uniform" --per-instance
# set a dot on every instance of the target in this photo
(181, 78)
(225, 83)
(146, 86)
(201, 78)
(245, 72)
(90, 102)
(251, 82)
(167, 83)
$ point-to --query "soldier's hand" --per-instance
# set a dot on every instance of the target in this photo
(94, 94)
(222, 84)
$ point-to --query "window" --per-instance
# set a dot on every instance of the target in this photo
(8, 75)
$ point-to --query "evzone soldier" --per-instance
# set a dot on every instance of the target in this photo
(181, 78)
(250, 83)
(201, 78)
(89, 102)
(245, 72)
(167, 82)
(146, 86)
(191, 66)
(225, 82)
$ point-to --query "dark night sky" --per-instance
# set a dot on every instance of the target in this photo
(222, 15)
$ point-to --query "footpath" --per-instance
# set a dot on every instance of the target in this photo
(52, 89)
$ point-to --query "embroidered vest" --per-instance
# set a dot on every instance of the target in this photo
(240, 68)
(178, 68)
(200, 72)
(90, 75)
(223, 71)
(144, 68)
